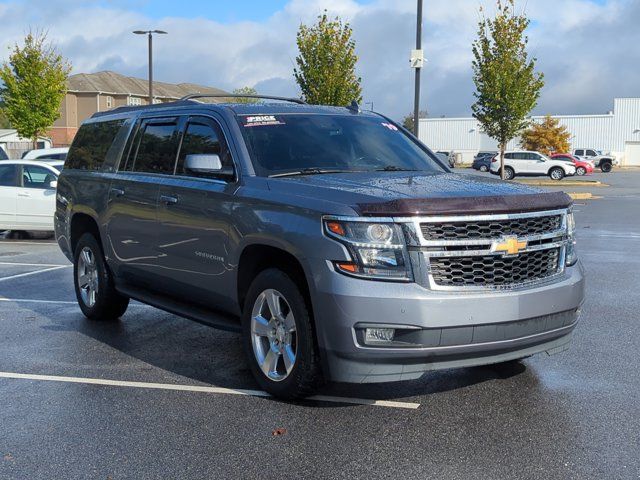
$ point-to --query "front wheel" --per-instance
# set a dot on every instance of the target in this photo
(556, 173)
(605, 167)
(483, 168)
(278, 337)
(580, 171)
(93, 282)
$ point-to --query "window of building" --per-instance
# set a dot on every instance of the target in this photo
(109, 101)
(134, 101)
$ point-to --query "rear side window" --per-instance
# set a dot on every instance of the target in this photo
(579, 152)
(157, 148)
(92, 145)
(8, 177)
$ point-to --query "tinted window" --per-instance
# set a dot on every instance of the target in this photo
(280, 144)
(579, 152)
(3, 154)
(37, 177)
(92, 144)
(52, 156)
(8, 177)
(156, 151)
(591, 153)
(203, 136)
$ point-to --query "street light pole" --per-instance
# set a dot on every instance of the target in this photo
(418, 67)
(149, 34)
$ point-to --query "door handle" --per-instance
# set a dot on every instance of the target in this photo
(168, 200)
(117, 192)
(24, 194)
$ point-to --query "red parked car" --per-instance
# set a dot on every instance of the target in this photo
(582, 167)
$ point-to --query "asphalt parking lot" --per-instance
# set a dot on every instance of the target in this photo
(157, 396)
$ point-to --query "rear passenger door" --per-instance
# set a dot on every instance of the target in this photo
(133, 197)
(8, 195)
(194, 218)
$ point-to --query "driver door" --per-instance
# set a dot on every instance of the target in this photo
(36, 198)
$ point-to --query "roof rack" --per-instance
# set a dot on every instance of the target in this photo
(234, 95)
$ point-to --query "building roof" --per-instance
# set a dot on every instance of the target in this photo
(117, 84)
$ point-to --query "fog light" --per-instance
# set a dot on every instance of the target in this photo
(373, 336)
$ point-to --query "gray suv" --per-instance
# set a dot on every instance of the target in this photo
(338, 245)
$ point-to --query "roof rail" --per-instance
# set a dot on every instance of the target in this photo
(234, 95)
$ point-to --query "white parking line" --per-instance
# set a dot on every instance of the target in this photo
(28, 300)
(199, 388)
(2, 279)
(34, 264)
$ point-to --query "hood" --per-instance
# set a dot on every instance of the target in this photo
(408, 193)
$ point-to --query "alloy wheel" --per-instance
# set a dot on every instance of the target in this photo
(273, 335)
(87, 277)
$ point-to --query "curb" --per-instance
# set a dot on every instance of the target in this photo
(582, 196)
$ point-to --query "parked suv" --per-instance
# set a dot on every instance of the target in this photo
(336, 243)
(531, 164)
(604, 162)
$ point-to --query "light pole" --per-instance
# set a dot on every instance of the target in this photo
(369, 103)
(417, 60)
(149, 34)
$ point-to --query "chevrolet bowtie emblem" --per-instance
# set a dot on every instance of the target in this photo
(509, 246)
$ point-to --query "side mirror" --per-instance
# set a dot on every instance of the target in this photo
(53, 184)
(206, 164)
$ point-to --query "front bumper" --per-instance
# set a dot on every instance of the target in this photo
(448, 329)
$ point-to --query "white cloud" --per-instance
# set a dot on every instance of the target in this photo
(588, 50)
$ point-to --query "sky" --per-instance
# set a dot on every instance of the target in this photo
(588, 50)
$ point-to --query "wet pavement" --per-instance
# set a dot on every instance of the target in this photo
(571, 415)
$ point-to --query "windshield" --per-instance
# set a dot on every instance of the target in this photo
(318, 143)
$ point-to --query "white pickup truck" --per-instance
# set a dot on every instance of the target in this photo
(600, 160)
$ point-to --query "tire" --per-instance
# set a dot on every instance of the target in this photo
(605, 167)
(556, 173)
(267, 342)
(93, 282)
(509, 173)
(483, 168)
(580, 171)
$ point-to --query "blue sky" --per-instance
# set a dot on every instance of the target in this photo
(587, 49)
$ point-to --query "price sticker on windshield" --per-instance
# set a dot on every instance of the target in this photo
(390, 126)
(261, 120)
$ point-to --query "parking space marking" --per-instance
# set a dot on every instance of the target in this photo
(19, 275)
(29, 300)
(33, 264)
(200, 388)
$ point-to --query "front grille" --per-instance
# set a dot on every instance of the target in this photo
(490, 229)
(494, 270)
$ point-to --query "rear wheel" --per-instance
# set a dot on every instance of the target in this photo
(556, 173)
(483, 168)
(278, 337)
(509, 173)
(93, 282)
(580, 171)
(605, 167)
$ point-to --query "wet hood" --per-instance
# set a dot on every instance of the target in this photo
(407, 193)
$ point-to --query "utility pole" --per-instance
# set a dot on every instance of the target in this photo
(149, 34)
(417, 61)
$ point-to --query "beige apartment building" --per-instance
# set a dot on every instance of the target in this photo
(96, 92)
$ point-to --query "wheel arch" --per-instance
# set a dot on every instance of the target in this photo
(81, 223)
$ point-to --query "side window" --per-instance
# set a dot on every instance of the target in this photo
(519, 156)
(203, 136)
(534, 156)
(8, 176)
(157, 148)
(579, 153)
(591, 153)
(37, 177)
(92, 145)
(508, 156)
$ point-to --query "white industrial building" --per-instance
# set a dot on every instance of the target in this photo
(616, 133)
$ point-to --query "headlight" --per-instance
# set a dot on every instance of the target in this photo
(377, 249)
(572, 254)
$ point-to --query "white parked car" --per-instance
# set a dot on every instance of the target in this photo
(50, 153)
(27, 195)
(525, 163)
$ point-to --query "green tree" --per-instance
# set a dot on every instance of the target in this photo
(547, 137)
(507, 85)
(326, 64)
(35, 82)
(245, 91)
(407, 122)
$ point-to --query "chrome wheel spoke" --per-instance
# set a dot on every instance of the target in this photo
(273, 301)
(270, 363)
(289, 358)
(261, 326)
(84, 280)
(289, 322)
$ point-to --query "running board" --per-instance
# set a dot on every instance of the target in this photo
(209, 317)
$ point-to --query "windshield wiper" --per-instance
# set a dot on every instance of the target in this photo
(393, 168)
(311, 171)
